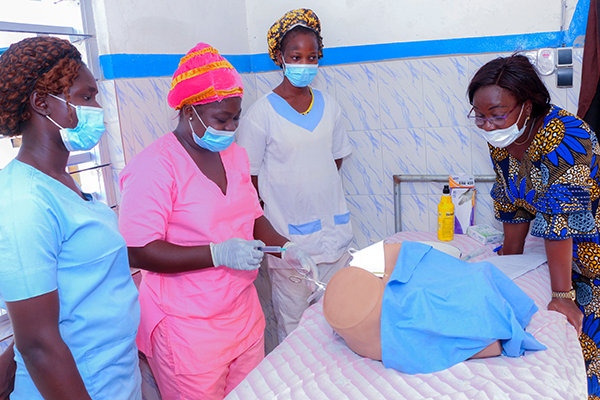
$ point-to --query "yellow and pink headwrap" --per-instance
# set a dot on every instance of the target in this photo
(203, 76)
(303, 17)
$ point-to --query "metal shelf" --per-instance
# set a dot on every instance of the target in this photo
(398, 179)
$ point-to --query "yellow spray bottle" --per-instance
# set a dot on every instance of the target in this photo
(446, 216)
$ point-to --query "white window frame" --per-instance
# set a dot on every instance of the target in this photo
(99, 155)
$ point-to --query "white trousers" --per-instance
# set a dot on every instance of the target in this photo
(289, 298)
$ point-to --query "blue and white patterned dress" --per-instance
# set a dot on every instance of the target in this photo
(556, 187)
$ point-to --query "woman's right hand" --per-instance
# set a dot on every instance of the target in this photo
(237, 254)
(568, 308)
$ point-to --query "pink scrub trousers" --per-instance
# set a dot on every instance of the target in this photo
(215, 384)
(199, 329)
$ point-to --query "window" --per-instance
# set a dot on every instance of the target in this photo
(71, 20)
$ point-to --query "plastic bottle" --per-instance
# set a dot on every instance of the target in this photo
(446, 216)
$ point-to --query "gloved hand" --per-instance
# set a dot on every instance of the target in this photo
(317, 294)
(300, 260)
(237, 253)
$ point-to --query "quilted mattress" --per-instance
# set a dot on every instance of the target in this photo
(314, 363)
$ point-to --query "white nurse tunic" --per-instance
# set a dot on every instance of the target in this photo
(294, 156)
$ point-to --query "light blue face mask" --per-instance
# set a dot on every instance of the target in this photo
(213, 139)
(89, 129)
(300, 75)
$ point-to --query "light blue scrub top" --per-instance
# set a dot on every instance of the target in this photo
(50, 238)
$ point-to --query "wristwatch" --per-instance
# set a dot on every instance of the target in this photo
(564, 295)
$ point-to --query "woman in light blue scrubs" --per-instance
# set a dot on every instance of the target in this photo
(64, 273)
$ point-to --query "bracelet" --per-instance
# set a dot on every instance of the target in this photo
(564, 295)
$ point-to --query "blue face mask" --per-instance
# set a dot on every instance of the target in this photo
(89, 129)
(213, 139)
(300, 75)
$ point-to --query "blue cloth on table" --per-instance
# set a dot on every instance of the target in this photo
(438, 311)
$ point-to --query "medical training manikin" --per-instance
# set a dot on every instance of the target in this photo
(429, 311)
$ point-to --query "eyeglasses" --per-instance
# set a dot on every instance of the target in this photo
(496, 121)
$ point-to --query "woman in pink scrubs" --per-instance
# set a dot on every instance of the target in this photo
(190, 216)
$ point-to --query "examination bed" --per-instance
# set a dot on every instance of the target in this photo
(314, 363)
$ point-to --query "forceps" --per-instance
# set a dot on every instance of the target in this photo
(297, 279)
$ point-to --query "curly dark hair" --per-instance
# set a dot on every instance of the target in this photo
(42, 64)
(517, 75)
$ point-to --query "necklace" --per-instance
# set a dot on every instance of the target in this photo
(528, 136)
(312, 100)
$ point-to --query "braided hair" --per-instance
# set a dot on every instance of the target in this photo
(42, 64)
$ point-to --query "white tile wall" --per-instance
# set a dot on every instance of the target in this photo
(366, 164)
(250, 92)
(400, 94)
(445, 83)
(404, 152)
(403, 117)
(357, 93)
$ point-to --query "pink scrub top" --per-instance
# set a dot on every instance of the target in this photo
(217, 314)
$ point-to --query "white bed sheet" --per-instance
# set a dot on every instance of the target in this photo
(314, 363)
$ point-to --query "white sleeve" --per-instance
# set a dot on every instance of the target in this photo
(252, 136)
(340, 143)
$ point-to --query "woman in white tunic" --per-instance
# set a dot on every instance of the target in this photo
(296, 141)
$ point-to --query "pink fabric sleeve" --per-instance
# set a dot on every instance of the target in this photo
(147, 192)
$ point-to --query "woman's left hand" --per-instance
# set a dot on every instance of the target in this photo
(300, 260)
(568, 308)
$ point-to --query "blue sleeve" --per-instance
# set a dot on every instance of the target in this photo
(505, 209)
(567, 179)
(29, 244)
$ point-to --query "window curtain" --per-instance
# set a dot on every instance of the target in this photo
(589, 95)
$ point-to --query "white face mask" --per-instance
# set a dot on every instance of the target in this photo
(506, 136)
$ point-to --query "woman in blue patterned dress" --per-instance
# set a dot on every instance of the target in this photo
(547, 183)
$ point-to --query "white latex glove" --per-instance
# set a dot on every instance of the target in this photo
(237, 253)
(300, 260)
(317, 294)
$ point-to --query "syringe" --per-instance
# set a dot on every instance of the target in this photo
(270, 249)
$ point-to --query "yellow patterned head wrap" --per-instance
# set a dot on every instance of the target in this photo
(291, 19)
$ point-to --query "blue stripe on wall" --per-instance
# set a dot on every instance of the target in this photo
(117, 66)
